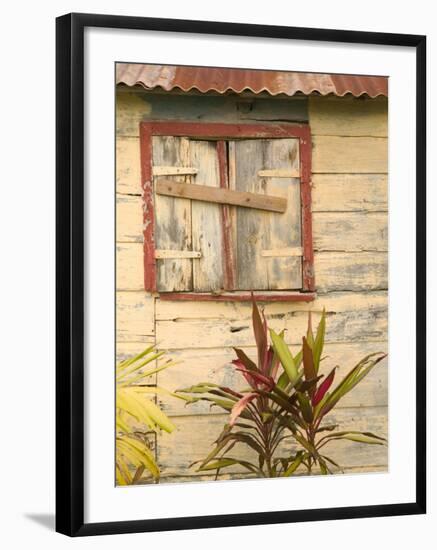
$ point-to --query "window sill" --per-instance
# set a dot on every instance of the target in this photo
(266, 296)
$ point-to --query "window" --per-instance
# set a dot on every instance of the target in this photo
(227, 210)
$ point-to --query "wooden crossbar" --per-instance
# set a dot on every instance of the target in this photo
(221, 196)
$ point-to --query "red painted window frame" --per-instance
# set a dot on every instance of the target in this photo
(221, 132)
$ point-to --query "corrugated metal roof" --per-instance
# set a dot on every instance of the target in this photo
(209, 79)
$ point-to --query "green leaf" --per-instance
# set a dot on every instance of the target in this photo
(295, 464)
(298, 359)
(260, 332)
(225, 404)
(227, 393)
(308, 362)
(283, 381)
(349, 382)
(305, 444)
(218, 464)
(308, 384)
(202, 387)
(144, 410)
(127, 362)
(363, 438)
(359, 437)
(248, 439)
(322, 465)
(137, 453)
(124, 373)
(285, 356)
(332, 462)
(219, 446)
(283, 403)
(327, 428)
(226, 462)
(319, 341)
(310, 335)
(305, 407)
(246, 426)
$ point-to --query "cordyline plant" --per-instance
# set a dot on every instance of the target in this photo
(133, 407)
(287, 398)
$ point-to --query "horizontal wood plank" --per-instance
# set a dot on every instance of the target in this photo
(195, 435)
(351, 326)
(135, 106)
(335, 302)
(351, 271)
(350, 231)
(343, 116)
(350, 317)
(222, 196)
(214, 366)
(135, 316)
(349, 155)
(349, 192)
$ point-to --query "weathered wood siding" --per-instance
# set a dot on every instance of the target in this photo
(350, 240)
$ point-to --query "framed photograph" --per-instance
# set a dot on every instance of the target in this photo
(240, 274)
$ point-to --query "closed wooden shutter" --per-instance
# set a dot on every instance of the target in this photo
(266, 246)
(183, 225)
(265, 241)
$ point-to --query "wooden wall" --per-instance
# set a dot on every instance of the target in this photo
(350, 240)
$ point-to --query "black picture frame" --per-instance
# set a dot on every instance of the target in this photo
(70, 273)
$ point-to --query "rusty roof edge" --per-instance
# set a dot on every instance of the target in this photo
(222, 80)
(248, 89)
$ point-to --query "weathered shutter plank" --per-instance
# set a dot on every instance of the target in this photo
(228, 216)
(258, 231)
(284, 232)
(250, 225)
(206, 220)
(173, 218)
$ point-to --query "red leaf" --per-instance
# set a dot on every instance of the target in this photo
(245, 359)
(239, 407)
(260, 332)
(242, 368)
(268, 366)
(323, 388)
(266, 382)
